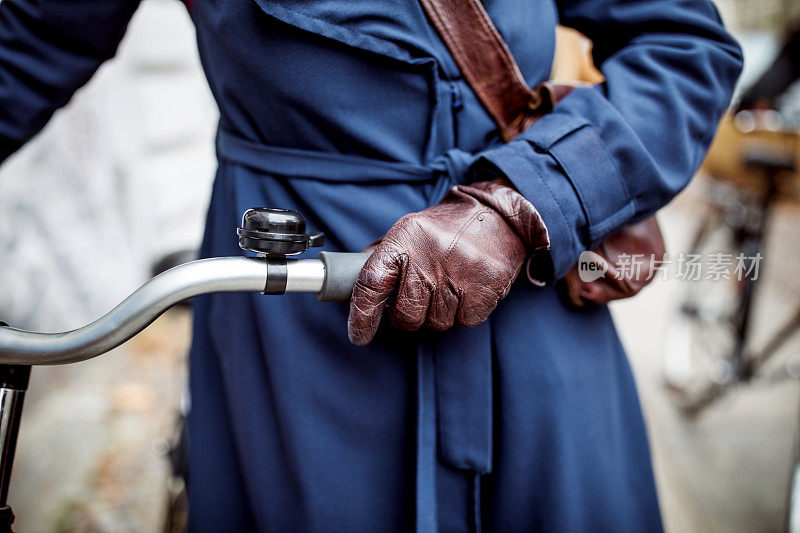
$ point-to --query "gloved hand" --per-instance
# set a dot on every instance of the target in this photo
(448, 264)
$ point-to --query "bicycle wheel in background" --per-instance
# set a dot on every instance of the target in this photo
(705, 338)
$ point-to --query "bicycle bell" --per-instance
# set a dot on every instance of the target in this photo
(274, 232)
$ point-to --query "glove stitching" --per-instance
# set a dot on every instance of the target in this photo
(521, 211)
(461, 232)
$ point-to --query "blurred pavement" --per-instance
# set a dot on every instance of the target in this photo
(90, 455)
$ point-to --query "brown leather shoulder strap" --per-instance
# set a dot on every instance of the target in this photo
(486, 63)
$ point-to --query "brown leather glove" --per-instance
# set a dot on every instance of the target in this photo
(448, 264)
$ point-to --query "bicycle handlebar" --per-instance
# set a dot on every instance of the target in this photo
(331, 276)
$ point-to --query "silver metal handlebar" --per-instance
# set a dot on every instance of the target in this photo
(137, 311)
(270, 232)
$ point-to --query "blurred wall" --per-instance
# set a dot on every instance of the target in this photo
(761, 27)
(119, 178)
(749, 15)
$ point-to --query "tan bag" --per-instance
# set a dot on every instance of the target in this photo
(488, 66)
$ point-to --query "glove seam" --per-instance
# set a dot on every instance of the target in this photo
(461, 231)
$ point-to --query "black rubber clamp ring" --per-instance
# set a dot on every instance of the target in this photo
(276, 276)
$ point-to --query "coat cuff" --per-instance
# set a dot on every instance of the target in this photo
(562, 167)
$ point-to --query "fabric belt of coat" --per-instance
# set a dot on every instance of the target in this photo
(454, 369)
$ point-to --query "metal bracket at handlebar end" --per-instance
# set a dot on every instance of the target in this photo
(6, 519)
(14, 377)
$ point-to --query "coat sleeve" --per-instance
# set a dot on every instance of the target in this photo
(49, 49)
(614, 153)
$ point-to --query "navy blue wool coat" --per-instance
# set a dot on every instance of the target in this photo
(355, 114)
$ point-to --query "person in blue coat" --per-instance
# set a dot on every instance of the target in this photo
(355, 114)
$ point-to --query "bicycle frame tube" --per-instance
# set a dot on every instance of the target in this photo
(13, 384)
(10, 412)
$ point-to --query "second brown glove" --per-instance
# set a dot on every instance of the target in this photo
(449, 264)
